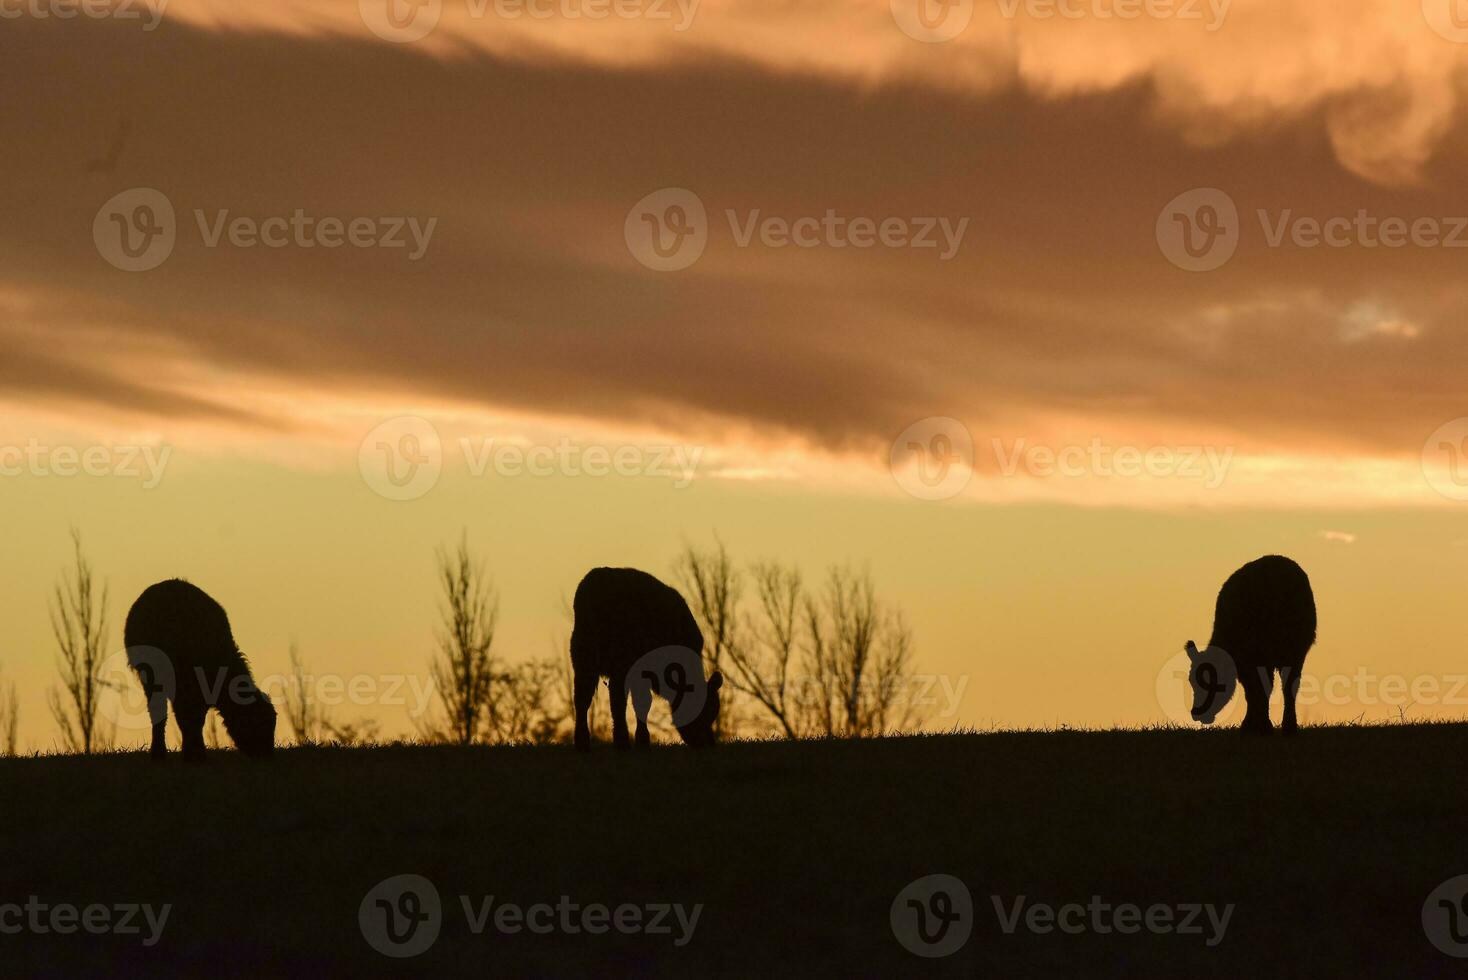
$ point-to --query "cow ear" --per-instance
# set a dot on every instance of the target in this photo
(1192, 651)
(716, 681)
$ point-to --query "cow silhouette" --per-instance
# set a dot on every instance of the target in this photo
(1264, 621)
(180, 645)
(639, 634)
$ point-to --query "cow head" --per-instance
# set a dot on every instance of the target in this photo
(700, 731)
(1213, 678)
(249, 718)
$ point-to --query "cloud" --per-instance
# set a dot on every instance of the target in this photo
(1380, 75)
(1060, 142)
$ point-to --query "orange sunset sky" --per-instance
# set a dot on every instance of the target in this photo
(1195, 294)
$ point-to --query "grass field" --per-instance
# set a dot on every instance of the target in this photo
(1326, 845)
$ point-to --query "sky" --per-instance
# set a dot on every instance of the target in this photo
(1049, 314)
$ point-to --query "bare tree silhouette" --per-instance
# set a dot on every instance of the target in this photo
(306, 716)
(836, 663)
(9, 718)
(714, 588)
(527, 704)
(79, 624)
(763, 663)
(860, 657)
(463, 669)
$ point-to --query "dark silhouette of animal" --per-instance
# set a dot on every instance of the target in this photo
(639, 634)
(1265, 620)
(180, 645)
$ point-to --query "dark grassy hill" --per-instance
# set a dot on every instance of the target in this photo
(1326, 845)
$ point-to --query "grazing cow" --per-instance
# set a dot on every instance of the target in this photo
(639, 634)
(180, 644)
(1265, 620)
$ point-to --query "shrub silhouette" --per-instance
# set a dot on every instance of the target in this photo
(180, 645)
(1265, 620)
(640, 635)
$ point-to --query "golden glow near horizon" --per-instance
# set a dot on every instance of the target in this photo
(1051, 314)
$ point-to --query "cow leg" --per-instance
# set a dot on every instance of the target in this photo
(190, 717)
(157, 700)
(1257, 683)
(1289, 678)
(585, 691)
(617, 688)
(641, 704)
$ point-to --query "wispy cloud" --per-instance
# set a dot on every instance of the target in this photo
(530, 141)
